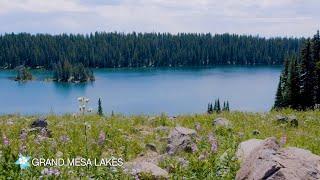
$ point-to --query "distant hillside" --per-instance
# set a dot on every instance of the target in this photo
(143, 50)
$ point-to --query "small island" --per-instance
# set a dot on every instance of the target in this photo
(23, 74)
(67, 72)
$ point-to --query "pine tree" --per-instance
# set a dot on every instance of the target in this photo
(293, 85)
(308, 77)
(315, 46)
(100, 111)
(228, 107)
(218, 106)
(279, 98)
(215, 108)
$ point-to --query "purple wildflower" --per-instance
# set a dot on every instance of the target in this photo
(64, 139)
(283, 140)
(23, 149)
(39, 139)
(43, 132)
(23, 135)
(50, 172)
(5, 140)
(198, 126)
(102, 138)
(214, 143)
(194, 148)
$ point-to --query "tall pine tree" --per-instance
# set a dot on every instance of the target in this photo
(308, 76)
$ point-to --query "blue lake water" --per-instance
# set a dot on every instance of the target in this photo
(145, 91)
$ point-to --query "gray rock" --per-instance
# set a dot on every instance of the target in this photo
(281, 119)
(293, 121)
(151, 147)
(181, 139)
(221, 122)
(268, 161)
(137, 168)
(245, 148)
(255, 132)
(162, 129)
(39, 123)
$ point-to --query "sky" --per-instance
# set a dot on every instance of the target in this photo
(267, 18)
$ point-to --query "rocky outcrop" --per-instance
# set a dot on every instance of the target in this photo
(291, 120)
(146, 164)
(39, 123)
(268, 161)
(223, 122)
(138, 168)
(181, 139)
(246, 147)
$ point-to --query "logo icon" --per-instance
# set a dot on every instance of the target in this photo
(23, 161)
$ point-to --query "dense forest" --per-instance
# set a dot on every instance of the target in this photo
(142, 50)
(299, 85)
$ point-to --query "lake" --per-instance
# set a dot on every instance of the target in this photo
(145, 91)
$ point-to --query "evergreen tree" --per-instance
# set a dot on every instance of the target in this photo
(218, 106)
(308, 76)
(100, 111)
(109, 50)
(279, 97)
(292, 89)
(228, 107)
(315, 46)
(215, 108)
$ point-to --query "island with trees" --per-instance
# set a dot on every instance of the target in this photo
(23, 74)
(66, 72)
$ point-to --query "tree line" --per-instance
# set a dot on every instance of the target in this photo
(299, 85)
(112, 50)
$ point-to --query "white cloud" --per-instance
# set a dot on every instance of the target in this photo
(264, 17)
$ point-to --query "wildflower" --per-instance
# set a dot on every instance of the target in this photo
(23, 135)
(44, 132)
(198, 126)
(50, 172)
(102, 138)
(194, 148)
(39, 139)
(64, 138)
(5, 140)
(283, 140)
(23, 149)
(184, 163)
(214, 143)
(203, 156)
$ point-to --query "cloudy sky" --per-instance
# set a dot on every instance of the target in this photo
(257, 17)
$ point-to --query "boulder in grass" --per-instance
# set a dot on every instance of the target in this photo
(146, 163)
(181, 139)
(293, 121)
(268, 161)
(281, 119)
(151, 146)
(245, 148)
(138, 168)
(222, 122)
(39, 123)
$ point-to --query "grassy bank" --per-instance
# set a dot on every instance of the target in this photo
(126, 137)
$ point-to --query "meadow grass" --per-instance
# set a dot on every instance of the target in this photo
(126, 137)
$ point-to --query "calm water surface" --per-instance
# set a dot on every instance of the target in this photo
(145, 91)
